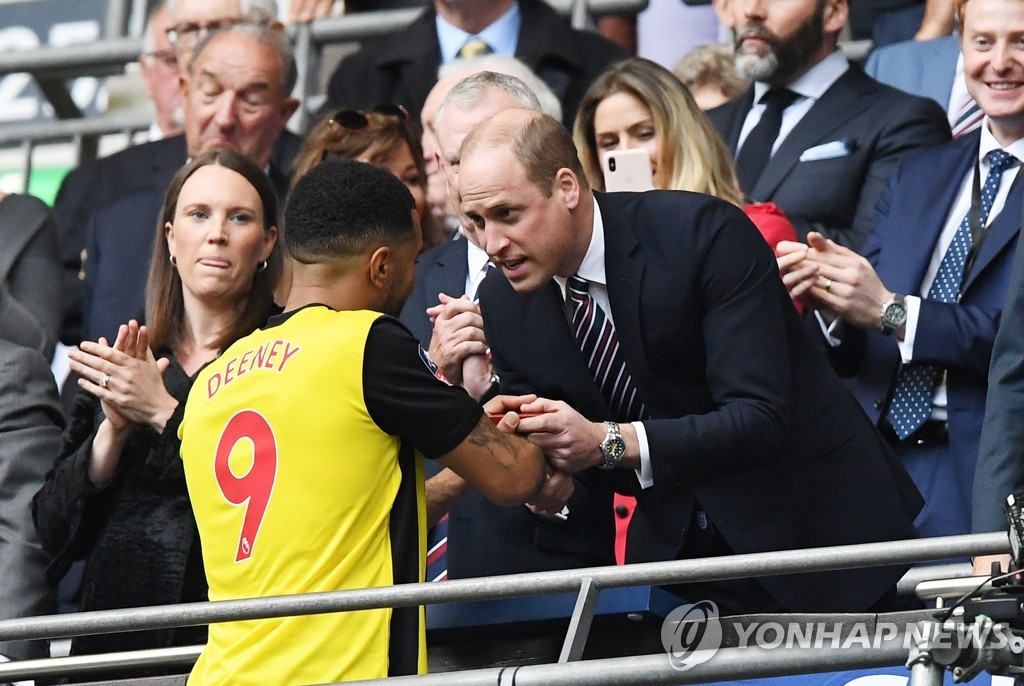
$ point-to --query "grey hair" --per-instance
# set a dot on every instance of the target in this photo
(474, 88)
(250, 10)
(272, 36)
(505, 64)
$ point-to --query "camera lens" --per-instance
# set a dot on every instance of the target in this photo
(611, 163)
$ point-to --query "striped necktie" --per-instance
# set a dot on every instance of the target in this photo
(968, 116)
(600, 347)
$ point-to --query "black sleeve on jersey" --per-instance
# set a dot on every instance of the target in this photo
(405, 399)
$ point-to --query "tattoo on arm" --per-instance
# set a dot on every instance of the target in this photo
(500, 445)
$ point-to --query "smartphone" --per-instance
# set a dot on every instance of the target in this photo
(627, 170)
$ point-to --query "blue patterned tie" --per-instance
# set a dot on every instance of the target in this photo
(915, 386)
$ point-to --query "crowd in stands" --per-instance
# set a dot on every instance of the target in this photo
(795, 338)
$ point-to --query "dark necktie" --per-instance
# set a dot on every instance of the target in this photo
(600, 347)
(915, 386)
(437, 551)
(473, 48)
(757, 148)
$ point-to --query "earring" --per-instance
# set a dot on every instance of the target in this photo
(174, 261)
(261, 266)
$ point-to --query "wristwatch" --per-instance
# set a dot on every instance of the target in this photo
(612, 447)
(894, 314)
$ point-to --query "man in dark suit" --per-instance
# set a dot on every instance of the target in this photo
(225, 107)
(403, 67)
(814, 134)
(484, 539)
(713, 407)
(898, 319)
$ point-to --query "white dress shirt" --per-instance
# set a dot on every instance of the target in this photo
(810, 87)
(502, 35)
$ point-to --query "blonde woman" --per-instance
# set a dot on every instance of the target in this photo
(639, 104)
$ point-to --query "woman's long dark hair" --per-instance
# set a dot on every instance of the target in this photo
(165, 302)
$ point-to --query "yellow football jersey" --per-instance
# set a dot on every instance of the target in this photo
(297, 489)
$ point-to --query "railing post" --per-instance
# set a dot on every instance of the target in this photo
(579, 624)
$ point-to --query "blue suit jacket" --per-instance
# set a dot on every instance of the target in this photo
(439, 270)
(955, 336)
(925, 68)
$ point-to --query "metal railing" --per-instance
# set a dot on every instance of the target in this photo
(586, 583)
(53, 67)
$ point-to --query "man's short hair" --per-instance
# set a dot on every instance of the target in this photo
(541, 144)
(507, 64)
(270, 35)
(341, 206)
(475, 87)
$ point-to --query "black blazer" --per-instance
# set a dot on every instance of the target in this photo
(748, 419)
(485, 539)
(870, 126)
(402, 67)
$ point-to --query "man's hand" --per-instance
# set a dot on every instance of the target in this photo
(846, 283)
(458, 335)
(798, 273)
(558, 488)
(982, 564)
(305, 11)
(570, 441)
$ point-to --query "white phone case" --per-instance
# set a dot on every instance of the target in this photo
(627, 170)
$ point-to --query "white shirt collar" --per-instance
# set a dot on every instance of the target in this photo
(592, 267)
(476, 258)
(502, 35)
(815, 81)
(989, 143)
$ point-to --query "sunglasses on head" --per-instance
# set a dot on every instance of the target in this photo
(357, 119)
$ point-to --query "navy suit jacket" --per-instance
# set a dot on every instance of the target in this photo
(485, 539)
(925, 68)
(955, 336)
(747, 417)
(125, 193)
(439, 270)
(871, 125)
(402, 68)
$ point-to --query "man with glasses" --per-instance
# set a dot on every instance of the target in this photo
(192, 20)
(159, 68)
(235, 95)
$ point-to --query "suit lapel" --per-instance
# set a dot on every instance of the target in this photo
(1003, 229)
(906, 263)
(450, 275)
(845, 99)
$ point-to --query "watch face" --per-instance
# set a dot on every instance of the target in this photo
(896, 313)
(614, 448)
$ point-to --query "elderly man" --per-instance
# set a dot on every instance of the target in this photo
(235, 95)
(668, 356)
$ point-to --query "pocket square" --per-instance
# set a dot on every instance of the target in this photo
(827, 151)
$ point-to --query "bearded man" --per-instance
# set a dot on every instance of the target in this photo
(815, 134)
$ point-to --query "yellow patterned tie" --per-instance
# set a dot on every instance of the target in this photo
(474, 48)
